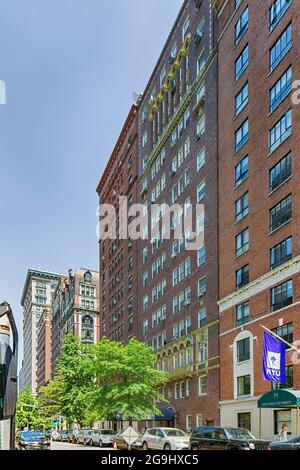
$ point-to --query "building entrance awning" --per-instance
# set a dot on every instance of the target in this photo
(280, 399)
(167, 414)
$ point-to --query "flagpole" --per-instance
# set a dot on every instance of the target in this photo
(280, 339)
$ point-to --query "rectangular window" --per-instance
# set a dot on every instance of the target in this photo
(201, 258)
(242, 314)
(201, 127)
(281, 89)
(242, 135)
(202, 318)
(203, 385)
(277, 10)
(202, 287)
(242, 242)
(281, 253)
(242, 25)
(201, 62)
(201, 192)
(282, 417)
(282, 296)
(285, 332)
(243, 350)
(242, 99)
(281, 47)
(182, 389)
(281, 172)
(244, 421)
(242, 171)
(281, 213)
(281, 131)
(243, 386)
(242, 62)
(289, 383)
(189, 425)
(241, 207)
(242, 277)
(201, 159)
(185, 28)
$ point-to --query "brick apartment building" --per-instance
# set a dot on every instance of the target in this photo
(259, 171)
(178, 288)
(75, 309)
(44, 351)
(118, 258)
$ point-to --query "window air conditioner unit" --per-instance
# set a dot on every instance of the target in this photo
(187, 302)
(173, 256)
(201, 294)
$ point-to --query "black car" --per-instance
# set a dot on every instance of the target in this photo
(291, 444)
(217, 438)
(33, 440)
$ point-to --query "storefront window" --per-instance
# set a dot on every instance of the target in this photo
(282, 417)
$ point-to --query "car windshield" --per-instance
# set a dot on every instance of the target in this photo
(174, 433)
(238, 433)
(107, 432)
(32, 435)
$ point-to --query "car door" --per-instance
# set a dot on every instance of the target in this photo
(218, 441)
(151, 439)
(159, 439)
(206, 439)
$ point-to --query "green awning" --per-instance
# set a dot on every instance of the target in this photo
(279, 399)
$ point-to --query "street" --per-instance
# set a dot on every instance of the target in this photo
(67, 446)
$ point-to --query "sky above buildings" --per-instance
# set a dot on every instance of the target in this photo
(70, 68)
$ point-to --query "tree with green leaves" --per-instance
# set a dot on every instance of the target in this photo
(28, 412)
(126, 380)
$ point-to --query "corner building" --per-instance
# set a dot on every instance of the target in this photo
(259, 171)
(178, 288)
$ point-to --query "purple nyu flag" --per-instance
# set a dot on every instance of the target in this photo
(273, 359)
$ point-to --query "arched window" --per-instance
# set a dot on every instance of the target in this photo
(87, 329)
(88, 277)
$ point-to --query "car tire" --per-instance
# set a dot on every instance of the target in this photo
(167, 447)
(100, 443)
(91, 442)
(145, 446)
(194, 447)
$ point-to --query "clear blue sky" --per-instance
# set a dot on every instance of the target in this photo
(70, 68)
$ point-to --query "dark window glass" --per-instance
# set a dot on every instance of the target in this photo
(242, 277)
(281, 213)
(281, 172)
(281, 253)
(282, 295)
(244, 385)
(243, 350)
(242, 314)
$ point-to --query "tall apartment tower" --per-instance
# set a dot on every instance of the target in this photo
(259, 191)
(178, 288)
(118, 257)
(44, 352)
(75, 309)
(36, 297)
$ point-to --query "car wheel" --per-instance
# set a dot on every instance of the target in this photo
(91, 442)
(167, 447)
(100, 443)
(195, 447)
(145, 446)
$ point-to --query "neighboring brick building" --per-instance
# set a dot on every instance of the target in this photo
(118, 258)
(75, 306)
(259, 171)
(36, 297)
(178, 288)
(44, 352)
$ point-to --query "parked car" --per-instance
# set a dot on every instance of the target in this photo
(217, 438)
(165, 439)
(102, 437)
(84, 436)
(63, 436)
(291, 444)
(73, 435)
(33, 440)
(121, 444)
